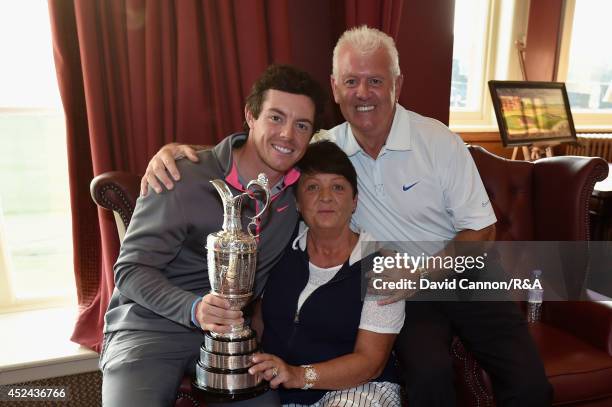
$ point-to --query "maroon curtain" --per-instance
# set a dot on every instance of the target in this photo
(134, 75)
(425, 45)
(384, 14)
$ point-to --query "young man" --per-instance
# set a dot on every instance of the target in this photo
(153, 326)
(418, 183)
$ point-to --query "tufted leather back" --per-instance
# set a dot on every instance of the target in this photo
(542, 200)
(509, 185)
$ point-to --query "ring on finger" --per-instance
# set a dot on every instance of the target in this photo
(274, 372)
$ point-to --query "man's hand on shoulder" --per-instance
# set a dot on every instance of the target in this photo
(393, 284)
(163, 163)
(213, 314)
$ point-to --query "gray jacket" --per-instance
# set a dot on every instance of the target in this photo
(161, 269)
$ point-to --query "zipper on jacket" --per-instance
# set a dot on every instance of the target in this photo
(296, 323)
(296, 316)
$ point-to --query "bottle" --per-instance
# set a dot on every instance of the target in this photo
(534, 298)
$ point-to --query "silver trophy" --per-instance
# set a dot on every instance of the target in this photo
(222, 371)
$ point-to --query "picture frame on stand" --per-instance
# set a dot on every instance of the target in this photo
(532, 113)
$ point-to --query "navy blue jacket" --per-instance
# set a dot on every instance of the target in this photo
(326, 326)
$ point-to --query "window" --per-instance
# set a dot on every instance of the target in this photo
(469, 51)
(35, 223)
(483, 49)
(585, 62)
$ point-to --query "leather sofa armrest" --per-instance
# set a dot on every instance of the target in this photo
(561, 208)
(588, 320)
(116, 191)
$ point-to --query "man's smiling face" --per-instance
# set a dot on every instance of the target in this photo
(282, 131)
(366, 90)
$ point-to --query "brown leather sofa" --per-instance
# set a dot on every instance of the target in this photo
(547, 200)
(544, 200)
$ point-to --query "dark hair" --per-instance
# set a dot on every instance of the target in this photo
(286, 78)
(325, 157)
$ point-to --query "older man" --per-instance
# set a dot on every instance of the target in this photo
(418, 183)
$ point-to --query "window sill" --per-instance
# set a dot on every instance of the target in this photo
(593, 129)
(465, 128)
(36, 345)
(472, 128)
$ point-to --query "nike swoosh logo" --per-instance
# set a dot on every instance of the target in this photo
(407, 187)
(282, 208)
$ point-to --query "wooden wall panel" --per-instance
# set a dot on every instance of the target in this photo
(543, 37)
(491, 141)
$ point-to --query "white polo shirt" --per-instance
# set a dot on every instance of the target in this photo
(422, 187)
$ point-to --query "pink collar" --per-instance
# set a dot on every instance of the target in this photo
(289, 179)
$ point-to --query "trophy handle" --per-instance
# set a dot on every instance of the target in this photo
(262, 183)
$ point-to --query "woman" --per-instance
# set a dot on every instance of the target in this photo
(323, 343)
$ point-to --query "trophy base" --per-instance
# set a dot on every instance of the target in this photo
(212, 395)
(225, 346)
(222, 373)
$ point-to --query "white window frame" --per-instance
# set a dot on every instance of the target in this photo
(507, 22)
(584, 122)
(6, 292)
(35, 15)
(9, 302)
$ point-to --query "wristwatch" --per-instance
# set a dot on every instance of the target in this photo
(310, 376)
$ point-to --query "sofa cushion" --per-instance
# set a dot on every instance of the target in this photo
(577, 370)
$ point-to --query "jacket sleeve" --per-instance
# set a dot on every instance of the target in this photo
(154, 238)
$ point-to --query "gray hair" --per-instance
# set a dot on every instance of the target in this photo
(366, 40)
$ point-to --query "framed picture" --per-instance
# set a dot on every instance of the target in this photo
(532, 112)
